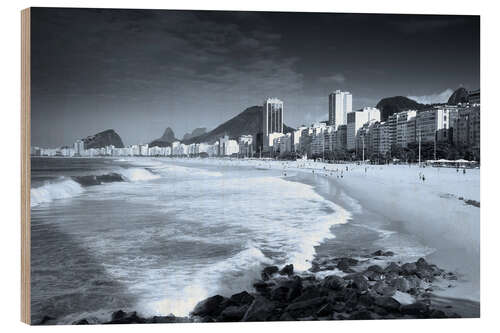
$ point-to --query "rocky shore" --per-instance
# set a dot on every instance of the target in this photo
(359, 290)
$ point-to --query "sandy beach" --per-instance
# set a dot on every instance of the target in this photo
(437, 212)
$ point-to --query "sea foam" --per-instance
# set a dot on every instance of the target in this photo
(65, 188)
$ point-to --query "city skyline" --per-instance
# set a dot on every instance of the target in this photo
(199, 69)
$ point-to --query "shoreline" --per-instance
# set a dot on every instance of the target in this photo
(318, 175)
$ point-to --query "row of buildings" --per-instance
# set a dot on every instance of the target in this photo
(347, 133)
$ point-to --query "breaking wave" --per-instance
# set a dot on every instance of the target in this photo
(62, 189)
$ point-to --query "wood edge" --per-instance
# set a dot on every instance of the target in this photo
(25, 166)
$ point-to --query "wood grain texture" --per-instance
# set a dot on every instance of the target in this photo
(25, 166)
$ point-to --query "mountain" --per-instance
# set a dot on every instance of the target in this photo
(459, 96)
(391, 105)
(165, 140)
(247, 122)
(103, 139)
(196, 132)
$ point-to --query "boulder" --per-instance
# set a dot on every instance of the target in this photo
(268, 272)
(415, 309)
(279, 294)
(333, 282)
(209, 307)
(375, 268)
(401, 284)
(409, 268)
(305, 308)
(344, 264)
(359, 282)
(361, 315)
(260, 309)
(325, 310)
(287, 270)
(383, 289)
(388, 303)
(81, 322)
(233, 313)
(241, 298)
(393, 268)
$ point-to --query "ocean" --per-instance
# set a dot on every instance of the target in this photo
(157, 236)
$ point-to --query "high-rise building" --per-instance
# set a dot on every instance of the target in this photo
(272, 117)
(355, 120)
(79, 147)
(339, 105)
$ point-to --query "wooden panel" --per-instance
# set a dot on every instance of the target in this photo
(25, 166)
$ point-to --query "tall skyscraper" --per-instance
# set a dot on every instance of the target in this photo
(272, 117)
(339, 105)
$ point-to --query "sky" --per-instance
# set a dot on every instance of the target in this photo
(140, 71)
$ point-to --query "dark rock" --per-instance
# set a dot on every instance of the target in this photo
(401, 284)
(375, 268)
(366, 300)
(308, 293)
(233, 313)
(117, 315)
(287, 317)
(409, 268)
(305, 308)
(262, 287)
(209, 307)
(287, 270)
(421, 263)
(120, 317)
(279, 294)
(344, 264)
(437, 314)
(417, 308)
(241, 298)
(361, 315)
(388, 303)
(81, 322)
(333, 282)
(393, 268)
(268, 272)
(383, 289)
(373, 276)
(259, 310)
(360, 283)
(325, 310)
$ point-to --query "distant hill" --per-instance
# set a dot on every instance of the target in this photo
(103, 139)
(390, 105)
(196, 132)
(247, 122)
(165, 140)
(461, 95)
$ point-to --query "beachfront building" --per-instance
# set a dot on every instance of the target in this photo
(467, 131)
(269, 141)
(272, 117)
(228, 147)
(474, 97)
(143, 149)
(246, 145)
(296, 137)
(434, 125)
(355, 120)
(339, 105)
(79, 147)
(400, 127)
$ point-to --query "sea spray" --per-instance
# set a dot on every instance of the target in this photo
(60, 189)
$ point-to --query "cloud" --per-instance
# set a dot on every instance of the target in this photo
(433, 98)
(334, 78)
